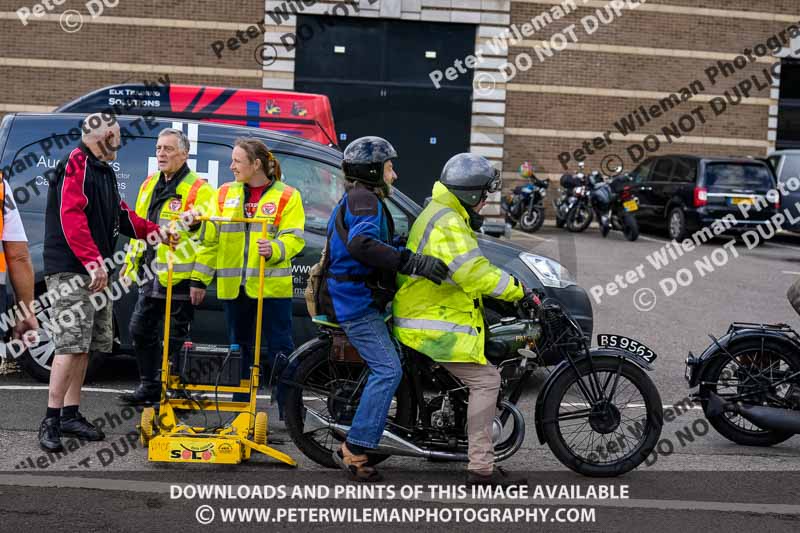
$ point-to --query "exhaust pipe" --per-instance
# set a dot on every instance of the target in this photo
(772, 418)
(389, 444)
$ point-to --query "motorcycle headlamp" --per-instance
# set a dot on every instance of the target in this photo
(549, 272)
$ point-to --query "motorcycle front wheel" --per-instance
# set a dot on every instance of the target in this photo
(579, 218)
(602, 438)
(532, 220)
(325, 387)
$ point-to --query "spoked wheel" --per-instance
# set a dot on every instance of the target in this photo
(755, 368)
(579, 218)
(333, 392)
(602, 438)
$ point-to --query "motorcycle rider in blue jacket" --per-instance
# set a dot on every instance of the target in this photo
(359, 283)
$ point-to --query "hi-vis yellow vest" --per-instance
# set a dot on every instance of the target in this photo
(445, 322)
(225, 245)
(195, 193)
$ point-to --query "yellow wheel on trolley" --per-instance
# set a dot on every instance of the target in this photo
(147, 426)
(260, 430)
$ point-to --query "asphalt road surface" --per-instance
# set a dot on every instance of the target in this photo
(698, 482)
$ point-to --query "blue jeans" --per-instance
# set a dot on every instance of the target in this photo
(276, 335)
(371, 338)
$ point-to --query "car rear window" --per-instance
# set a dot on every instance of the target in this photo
(791, 167)
(738, 175)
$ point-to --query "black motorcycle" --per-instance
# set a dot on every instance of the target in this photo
(614, 204)
(526, 205)
(570, 183)
(598, 411)
(581, 212)
(749, 383)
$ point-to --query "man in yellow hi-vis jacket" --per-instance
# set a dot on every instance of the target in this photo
(231, 252)
(174, 191)
(446, 322)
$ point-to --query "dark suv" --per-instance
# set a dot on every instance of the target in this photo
(31, 145)
(684, 193)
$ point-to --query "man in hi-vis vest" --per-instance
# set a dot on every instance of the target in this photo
(232, 251)
(169, 193)
(446, 322)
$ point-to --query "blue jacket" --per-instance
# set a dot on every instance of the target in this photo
(361, 269)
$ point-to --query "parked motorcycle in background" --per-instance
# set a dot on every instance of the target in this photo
(614, 204)
(567, 197)
(525, 206)
(581, 212)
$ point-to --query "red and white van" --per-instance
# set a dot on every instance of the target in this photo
(301, 114)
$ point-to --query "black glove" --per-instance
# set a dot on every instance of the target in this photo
(424, 265)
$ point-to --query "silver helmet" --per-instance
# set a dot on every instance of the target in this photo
(470, 178)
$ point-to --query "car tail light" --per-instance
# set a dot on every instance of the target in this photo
(700, 196)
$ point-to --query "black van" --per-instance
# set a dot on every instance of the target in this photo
(685, 193)
(33, 144)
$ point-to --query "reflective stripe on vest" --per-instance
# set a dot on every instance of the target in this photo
(192, 196)
(435, 325)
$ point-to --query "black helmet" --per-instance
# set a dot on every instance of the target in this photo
(364, 159)
(470, 177)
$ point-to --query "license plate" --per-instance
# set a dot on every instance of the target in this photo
(741, 200)
(631, 205)
(633, 346)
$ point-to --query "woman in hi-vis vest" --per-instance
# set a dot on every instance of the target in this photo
(232, 251)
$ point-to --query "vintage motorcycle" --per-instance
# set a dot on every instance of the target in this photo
(525, 205)
(598, 411)
(749, 383)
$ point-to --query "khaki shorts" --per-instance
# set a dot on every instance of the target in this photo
(79, 323)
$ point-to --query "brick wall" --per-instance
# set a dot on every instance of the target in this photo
(555, 106)
(639, 58)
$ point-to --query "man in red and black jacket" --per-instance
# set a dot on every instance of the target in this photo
(84, 217)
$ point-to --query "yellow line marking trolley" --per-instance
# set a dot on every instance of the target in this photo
(169, 440)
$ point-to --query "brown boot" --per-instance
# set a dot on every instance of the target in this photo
(356, 465)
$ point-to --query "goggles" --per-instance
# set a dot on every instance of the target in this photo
(496, 183)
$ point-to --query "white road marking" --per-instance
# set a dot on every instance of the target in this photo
(652, 239)
(531, 235)
(795, 248)
(259, 396)
(119, 391)
(157, 487)
(790, 272)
